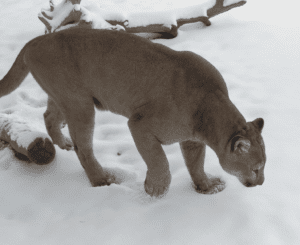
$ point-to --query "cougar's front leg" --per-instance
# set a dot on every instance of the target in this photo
(194, 154)
(158, 176)
(54, 120)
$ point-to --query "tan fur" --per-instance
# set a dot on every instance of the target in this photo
(168, 96)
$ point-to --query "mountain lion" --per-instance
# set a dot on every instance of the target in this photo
(168, 96)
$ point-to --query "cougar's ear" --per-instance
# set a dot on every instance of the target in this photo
(258, 123)
(241, 145)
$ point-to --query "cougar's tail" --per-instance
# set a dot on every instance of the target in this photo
(15, 76)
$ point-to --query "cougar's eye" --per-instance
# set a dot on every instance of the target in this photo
(235, 139)
(255, 171)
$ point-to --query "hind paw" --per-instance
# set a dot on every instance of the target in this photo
(157, 186)
(65, 143)
(107, 179)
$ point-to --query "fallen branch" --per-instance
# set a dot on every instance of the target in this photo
(219, 7)
(70, 14)
(36, 146)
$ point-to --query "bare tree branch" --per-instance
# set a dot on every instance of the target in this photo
(74, 18)
(219, 8)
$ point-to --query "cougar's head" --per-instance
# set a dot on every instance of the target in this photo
(245, 156)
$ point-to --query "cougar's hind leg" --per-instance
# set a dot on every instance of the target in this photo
(80, 116)
(54, 120)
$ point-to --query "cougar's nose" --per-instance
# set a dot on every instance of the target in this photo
(248, 184)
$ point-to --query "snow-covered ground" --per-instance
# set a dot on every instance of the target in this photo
(54, 204)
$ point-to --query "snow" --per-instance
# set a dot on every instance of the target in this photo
(194, 11)
(146, 6)
(91, 12)
(77, 7)
(54, 203)
(147, 18)
(168, 17)
(60, 12)
(229, 2)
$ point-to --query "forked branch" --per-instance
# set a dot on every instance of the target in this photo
(69, 13)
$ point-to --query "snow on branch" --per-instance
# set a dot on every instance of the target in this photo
(73, 13)
(70, 14)
(36, 146)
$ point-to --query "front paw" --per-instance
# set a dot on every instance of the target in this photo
(157, 185)
(209, 185)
